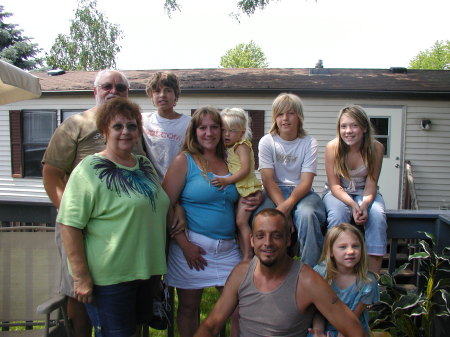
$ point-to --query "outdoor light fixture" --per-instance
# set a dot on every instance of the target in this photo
(425, 124)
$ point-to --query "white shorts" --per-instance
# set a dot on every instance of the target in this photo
(221, 255)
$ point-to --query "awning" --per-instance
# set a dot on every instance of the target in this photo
(16, 84)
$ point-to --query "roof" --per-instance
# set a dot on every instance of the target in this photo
(301, 80)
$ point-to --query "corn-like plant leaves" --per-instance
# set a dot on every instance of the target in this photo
(387, 280)
(400, 269)
(414, 314)
(419, 255)
(406, 301)
(418, 311)
(430, 236)
(442, 283)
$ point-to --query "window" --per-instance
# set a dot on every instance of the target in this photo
(66, 113)
(38, 128)
(30, 132)
(381, 126)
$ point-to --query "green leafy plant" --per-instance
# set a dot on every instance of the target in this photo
(244, 55)
(413, 313)
(92, 44)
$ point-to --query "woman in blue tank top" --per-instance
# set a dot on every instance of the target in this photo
(204, 256)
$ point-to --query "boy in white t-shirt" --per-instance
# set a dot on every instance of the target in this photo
(164, 130)
(288, 165)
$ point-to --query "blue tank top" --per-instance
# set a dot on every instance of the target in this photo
(209, 212)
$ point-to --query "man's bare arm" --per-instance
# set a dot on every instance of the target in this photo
(54, 180)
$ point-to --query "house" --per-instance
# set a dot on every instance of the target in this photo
(410, 109)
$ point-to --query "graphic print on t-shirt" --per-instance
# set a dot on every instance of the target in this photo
(143, 181)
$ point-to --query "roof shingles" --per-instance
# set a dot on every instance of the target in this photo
(293, 79)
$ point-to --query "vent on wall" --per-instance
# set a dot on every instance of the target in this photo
(398, 70)
(55, 72)
(319, 71)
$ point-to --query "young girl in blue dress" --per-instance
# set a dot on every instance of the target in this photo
(343, 264)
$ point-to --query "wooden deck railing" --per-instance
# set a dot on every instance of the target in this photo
(402, 224)
(26, 212)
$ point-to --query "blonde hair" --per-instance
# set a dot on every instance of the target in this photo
(237, 118)
(287, 102)
(191, 144)
(367, 149)
(360, 269)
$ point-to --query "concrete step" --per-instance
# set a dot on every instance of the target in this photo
(404, 273)
(406, 287)
(400, 257)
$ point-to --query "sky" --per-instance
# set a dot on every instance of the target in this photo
(291, 33)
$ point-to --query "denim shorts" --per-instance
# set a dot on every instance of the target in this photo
(375, 228)
(118, 308)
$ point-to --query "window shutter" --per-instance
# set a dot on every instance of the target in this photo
(257, 126)
(15, 131)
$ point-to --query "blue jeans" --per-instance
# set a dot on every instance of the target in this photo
(308, 216)
(375, 228)
(118, 308)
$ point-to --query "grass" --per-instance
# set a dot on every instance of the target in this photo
(209, 298)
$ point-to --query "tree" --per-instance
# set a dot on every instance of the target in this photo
(249, 6)
(92, 43)
(244, 55)
(245, 6)
(15, 48)
(438, 57)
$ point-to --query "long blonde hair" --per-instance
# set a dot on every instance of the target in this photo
(191, 144)
(287, 102)
(367, 149)
(360, 269)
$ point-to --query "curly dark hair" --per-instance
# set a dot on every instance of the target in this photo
(167, 79)
(117, 106)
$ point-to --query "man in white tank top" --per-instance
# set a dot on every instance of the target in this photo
(262, 290)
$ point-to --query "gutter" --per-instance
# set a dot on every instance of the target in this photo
(276, 91)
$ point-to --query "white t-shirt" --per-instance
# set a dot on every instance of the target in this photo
(288, 158)
(163, 138)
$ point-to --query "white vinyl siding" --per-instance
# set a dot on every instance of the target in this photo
(428, 151)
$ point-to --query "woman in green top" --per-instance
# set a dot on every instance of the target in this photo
(113, 216)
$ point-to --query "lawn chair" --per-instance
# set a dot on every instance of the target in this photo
(29, 273)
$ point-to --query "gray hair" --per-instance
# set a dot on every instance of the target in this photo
(105, 71)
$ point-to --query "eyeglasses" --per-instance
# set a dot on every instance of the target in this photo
(108, 86)
(130, 127)
(231, 130)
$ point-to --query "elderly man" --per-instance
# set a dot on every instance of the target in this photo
(276, 295)
(76, 138)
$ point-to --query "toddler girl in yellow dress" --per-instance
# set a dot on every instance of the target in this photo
(236, 135)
